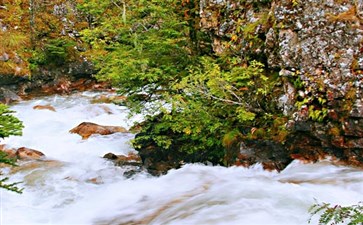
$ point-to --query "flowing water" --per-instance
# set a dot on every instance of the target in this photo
(75, 185)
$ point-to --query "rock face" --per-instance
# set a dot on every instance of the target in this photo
(7, 96)
(316, 47)
(86, 129)
(43, 70)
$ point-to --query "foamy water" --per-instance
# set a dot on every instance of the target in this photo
(76, 186)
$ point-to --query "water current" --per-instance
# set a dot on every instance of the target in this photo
(74, 185)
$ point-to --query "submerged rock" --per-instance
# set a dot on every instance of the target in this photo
(131, 159)
(42, 165)
(46, 107)
(86, 129)
(119, 100)
(131, 162)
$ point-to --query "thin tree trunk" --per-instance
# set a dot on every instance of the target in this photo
(32, 22)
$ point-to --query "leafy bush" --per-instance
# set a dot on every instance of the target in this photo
(211, 110)
(351, 215)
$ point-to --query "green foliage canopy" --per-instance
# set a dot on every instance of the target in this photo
(144, 54)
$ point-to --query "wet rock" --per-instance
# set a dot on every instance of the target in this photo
(86, 129)
(58, 86)
(110, 99)
(39, 172)
(131, 159)
(44, 107)
(7, 96)
(24, 153)
(82, 69)
(131, 162)
(158, 161)
(272, 155)
(110, 156)
(305, 148)
(95, 180)
(43, 165)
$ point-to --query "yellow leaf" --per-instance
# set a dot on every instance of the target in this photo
(187, 130)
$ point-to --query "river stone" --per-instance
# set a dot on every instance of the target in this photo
(131, 159)
(86, 129)
(46, 107)
(24, 153)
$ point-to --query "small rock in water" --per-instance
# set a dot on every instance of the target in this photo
(131, 159)
(110, 156)
(131, 162)
(47, 107)
(28, 154)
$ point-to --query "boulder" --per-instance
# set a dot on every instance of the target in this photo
(272, 155)
(86, 129)
(46, 107)
(28, 154)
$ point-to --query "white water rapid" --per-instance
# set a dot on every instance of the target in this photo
(76, 186)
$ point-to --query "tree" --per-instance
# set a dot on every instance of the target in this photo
(143, 51)
(9, 125)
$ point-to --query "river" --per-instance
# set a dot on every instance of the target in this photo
(75, 185)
